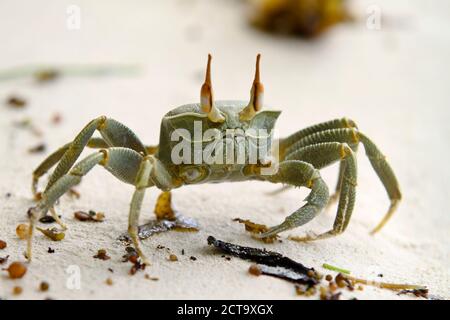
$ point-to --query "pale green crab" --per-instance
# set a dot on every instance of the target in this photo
(299, 159)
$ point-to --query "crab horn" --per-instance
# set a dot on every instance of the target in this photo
(256, 95)
(207, 97)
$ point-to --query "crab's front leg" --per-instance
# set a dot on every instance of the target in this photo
(151, 173)
(298, 174)
(301, 171)
(142, 182)
(321, 155)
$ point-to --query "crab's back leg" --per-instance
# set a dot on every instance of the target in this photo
(121, 162)
(387, 177)
(299, 173)
(288, 144)
(112, 131)
(52, 159)
(353, 137)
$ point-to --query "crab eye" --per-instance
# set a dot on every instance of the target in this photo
(191, 174)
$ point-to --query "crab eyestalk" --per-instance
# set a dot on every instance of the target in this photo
(256, 96)
(207, 97)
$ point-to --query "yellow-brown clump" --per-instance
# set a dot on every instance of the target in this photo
(306, 18)
(16, 270)
(163, 208)
(22, 231)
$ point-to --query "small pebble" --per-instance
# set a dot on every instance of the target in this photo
(329, 277)
(16, 102)
(3, 259)
(254, 270)
(17, 290)
(47, 219)
(173, 257)
(101, 254)
(333, 286)
(3, 244)
(16, 270)
(44, 286)
(56, 118)
(22, 231)
(109, 282)
(38, 148)
(193, 258)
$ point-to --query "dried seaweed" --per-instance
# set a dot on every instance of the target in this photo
(52, 233)
(181, 223)
(385, 285)
(423, 293)
(166, 219)
(271, 263)
(256, 228)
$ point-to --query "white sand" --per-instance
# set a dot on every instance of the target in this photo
(393, 82)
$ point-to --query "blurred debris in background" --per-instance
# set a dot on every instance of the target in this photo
(304, 18)
(45, 74)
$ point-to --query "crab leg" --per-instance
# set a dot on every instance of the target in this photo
(112, 131)
(141, 183)
(121, 162)
(299, 173)
(382, 168)
(52, 159)
(321, 155)
(288, 144)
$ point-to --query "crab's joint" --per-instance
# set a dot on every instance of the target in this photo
(256, 96)
(102, 123)
(344, 151)
(348, 123)
(207, 97)
(105, 159)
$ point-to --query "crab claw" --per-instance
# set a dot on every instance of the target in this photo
(207, 97)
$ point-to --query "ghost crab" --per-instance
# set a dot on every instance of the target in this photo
(301, 156)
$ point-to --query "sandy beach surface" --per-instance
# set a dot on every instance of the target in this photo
(393, 82)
